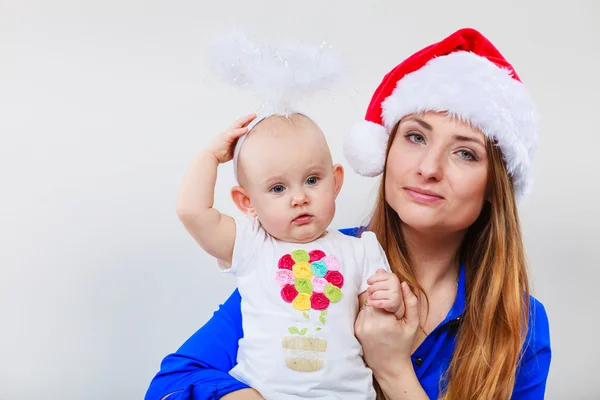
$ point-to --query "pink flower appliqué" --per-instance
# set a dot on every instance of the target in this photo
(332, 263)
(316, 255)
(309, 280)
(318, 284)
(284, 277)
(318, 301)
(335, 278)
(289, 293)
(286, 262)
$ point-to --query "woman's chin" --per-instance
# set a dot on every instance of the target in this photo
(424, 227)
(421, 220)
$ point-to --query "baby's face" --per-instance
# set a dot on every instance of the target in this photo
(286, 169)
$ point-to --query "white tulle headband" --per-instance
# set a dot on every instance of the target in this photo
(283, 77)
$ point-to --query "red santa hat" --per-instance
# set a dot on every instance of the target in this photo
(465, 76)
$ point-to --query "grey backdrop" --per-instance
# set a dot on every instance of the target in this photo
(103, 104)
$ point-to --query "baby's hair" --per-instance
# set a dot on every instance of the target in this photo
(295, 120)
(279, 126)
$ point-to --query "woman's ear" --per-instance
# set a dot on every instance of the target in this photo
(242, 200)
(338, 178)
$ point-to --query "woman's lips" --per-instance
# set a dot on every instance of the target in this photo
(423, 196)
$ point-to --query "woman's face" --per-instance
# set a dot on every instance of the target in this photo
(436, 173)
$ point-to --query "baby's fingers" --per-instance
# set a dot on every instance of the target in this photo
(242, 122)
(383, 304)
(379, 276)
(235, 133)
(380, 285)
(377, 303)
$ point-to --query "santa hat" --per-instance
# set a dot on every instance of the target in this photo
(465, 76)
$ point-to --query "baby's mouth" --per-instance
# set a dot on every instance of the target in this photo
(303, 219)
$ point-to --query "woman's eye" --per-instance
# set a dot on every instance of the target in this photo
(277, 189)
(415, 137)
(467, 155)
(312, 180)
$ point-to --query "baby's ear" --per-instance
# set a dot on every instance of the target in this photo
(338, 178)
(242, 200)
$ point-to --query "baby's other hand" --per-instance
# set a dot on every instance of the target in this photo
(223, 145)
(385, 293)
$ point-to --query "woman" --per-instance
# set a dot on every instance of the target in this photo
(453, 131)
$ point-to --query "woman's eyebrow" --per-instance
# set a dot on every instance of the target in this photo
(424, 124)
(462, 138)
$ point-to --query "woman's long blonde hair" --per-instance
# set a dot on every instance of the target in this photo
(496, 316)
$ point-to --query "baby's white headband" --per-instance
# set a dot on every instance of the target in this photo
(238, 145)
(282, 77)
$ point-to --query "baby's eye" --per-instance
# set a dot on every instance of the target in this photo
(277, 189)
(312, 180)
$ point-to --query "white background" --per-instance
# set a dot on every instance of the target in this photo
(103, 105)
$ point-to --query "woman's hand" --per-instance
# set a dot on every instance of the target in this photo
(387, 342)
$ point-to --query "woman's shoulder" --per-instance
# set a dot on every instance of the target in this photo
(364, 245)
(354, 232)
(360, 237)
(538, 332)
(534, 365)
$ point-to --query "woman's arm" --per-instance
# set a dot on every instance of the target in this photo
(533, 371)
(403, 385)
(199, 369)
(387, 344)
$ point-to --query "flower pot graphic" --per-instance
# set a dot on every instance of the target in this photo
(304, 354)
(310, 282)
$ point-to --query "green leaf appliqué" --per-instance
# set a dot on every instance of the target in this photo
(293, 329)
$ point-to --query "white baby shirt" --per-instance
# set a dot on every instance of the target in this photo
(299, 304)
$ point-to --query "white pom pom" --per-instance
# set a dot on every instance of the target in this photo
(364, 148)
(283, 76)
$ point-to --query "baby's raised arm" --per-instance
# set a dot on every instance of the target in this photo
(213, 231)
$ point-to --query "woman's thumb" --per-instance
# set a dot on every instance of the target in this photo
(411, 304)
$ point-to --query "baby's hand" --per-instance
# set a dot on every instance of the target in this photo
(385, 292)
(222, 146)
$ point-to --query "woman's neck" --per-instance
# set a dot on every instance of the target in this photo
(434, 257)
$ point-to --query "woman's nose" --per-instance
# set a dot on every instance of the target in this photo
(431, 166)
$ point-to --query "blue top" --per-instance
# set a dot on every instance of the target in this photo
(199, 369)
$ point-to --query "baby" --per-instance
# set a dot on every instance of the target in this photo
(301, 283)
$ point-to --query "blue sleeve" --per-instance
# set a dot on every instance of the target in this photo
(533, 371)
(351, 231)
(199, 370)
